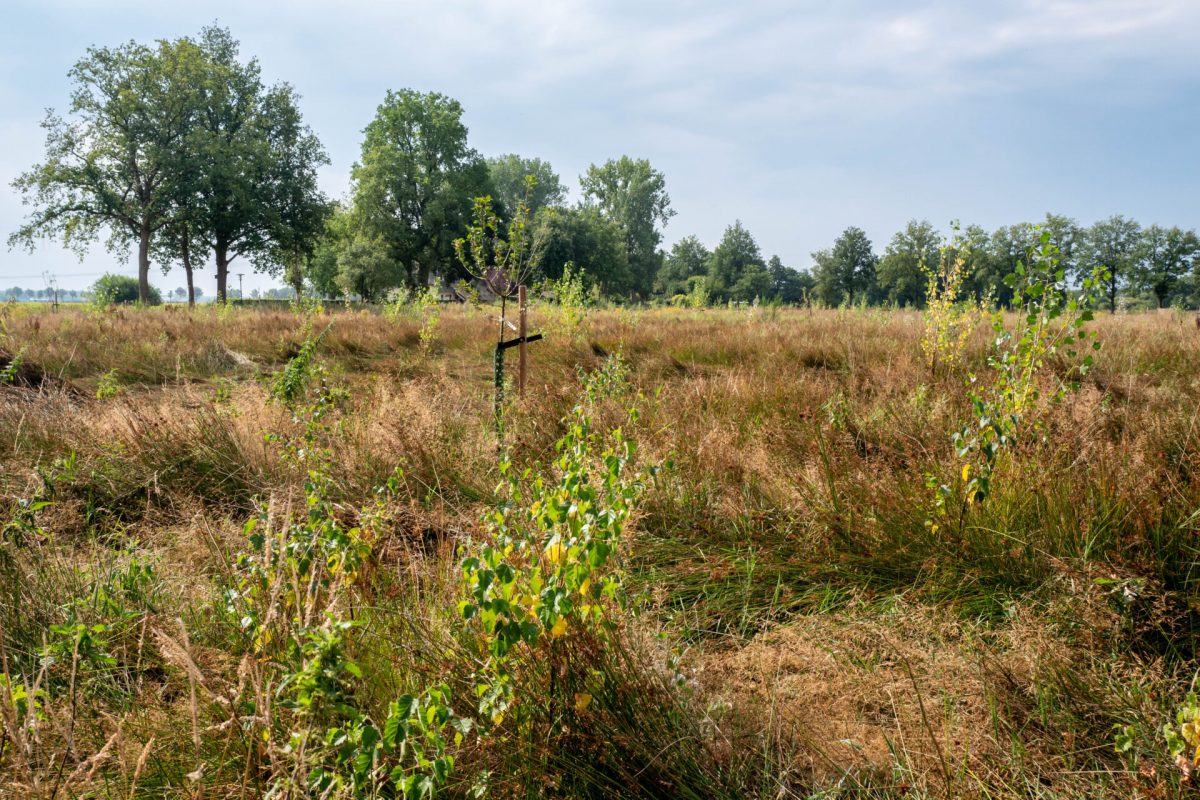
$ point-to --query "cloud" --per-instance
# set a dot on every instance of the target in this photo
(799, 117)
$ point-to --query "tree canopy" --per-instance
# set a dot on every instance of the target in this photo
(1164, 257)
(634, 195)
(846, 272)
(588, 240)
(736, 270)
(416, 180)
(688, 258)
(113, 165)
(177, 147)
(178, 150)
(508, 173)
(901, 277)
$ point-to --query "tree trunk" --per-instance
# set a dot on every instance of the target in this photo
(221, 254)
(187, 269)
(295, 277)
(144, 265)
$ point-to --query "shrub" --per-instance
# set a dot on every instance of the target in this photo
(113, 289)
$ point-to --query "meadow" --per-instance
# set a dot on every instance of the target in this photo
(236, 540)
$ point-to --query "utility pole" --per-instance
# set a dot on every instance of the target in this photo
(240, 295)
(52, 289)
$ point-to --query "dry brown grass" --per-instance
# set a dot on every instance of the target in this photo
(785, 546)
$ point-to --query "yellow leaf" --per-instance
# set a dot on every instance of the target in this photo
(559, 628)
(966, 473)
(555, 553)
(582, 701)
(585, 587)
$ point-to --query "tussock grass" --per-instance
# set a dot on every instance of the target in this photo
(829, 642)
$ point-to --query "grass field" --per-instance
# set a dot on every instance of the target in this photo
(793, 619)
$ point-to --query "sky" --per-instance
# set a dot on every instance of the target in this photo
(798, 118)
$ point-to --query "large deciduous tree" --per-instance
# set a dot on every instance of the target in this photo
(257, 190)
(416, 179)
(508, 173)
(1067, 238)
(972, 247)
(1009, 246)
(1113, 245)
(901, 275)
(634, 195)
(1164, 258)
(788, 285)
(112, 164)
(688, 259)
(736, 270)
(846, 272)
(588, 240)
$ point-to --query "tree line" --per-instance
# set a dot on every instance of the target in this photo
(179, 150)
(1153, 265)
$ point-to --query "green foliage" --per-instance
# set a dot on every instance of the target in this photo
(1050, 324)
(787, 285)
(365, 268)
(543, 573)
(251, 164)
(588, 240)
(112, 289)
(99, 640)
(634, 195)
(1111, 245)
(10, 371)
(570, 299)
(429, 312)
(508, 173)
(289, 599)
(129, 99)
(845, 273)
(736, 270)
(109, 386)
(415, 179)
(292, 381)
(698, 295)
(903, 271)
(220, 159)
(1183, 737)
(1165, 256)
(504, 256)
(688, 258)
(948, 321)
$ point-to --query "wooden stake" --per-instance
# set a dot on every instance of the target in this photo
(521, 332)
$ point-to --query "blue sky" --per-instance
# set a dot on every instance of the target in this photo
(799, 118)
